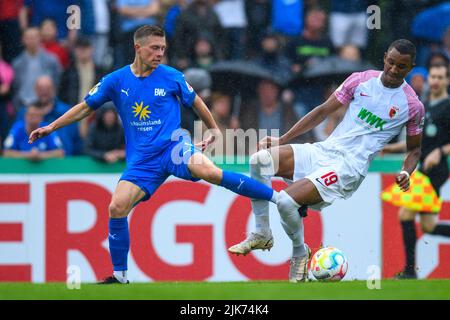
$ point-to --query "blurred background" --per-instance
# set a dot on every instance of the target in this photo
(258, 64)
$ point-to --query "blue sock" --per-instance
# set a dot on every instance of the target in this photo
(119, 243)
(246, 186)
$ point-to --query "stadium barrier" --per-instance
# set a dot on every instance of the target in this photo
(54, 215)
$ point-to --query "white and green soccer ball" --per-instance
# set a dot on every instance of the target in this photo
(329, 264)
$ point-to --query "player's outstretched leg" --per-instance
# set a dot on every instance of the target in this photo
(261, 169)
(263, 166)
(201, 167)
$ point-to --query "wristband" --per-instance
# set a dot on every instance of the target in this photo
(405, 172)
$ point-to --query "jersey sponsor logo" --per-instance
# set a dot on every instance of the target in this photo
(160, 92)
(371, 119)
(94, 89)
(141, 111)
(393, 111)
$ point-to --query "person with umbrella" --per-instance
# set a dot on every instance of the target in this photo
(380, 103)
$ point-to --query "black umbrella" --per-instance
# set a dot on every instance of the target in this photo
(241, 76)
(330, 70)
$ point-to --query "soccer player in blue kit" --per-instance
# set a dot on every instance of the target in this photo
(147, 95)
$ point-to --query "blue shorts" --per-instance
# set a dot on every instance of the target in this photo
(173, 160)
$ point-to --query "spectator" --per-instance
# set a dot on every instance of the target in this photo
(170, 21)
(303, 52)
(30, 65)
(95, 25)
(258, 14)
(36, 11)
(267, 112)
(272, 58)
(221, 107)
(6, 79)
(81, 76)
(417, 78)
(10, 28)
(313, 43)
(204, 53)
(50, 42)
(287, 17)
(106, 141)
(53, 108)
(16, 143)
(134, 14)
(233, 20)
(324, 129)
(197, 19)
(348, 23)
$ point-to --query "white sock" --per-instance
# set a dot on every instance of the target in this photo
(261, 169)
(292, 223)
(121, 276)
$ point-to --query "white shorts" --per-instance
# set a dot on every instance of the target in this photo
(327, 170)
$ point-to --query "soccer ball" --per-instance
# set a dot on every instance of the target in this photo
(329, 264)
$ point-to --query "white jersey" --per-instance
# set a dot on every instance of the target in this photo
(376, 114)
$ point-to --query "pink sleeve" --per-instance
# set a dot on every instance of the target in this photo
(6, 73)
(346, 90)
(414, 126)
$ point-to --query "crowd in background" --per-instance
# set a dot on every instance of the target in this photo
(45, 67)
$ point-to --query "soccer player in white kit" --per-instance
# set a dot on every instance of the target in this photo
(380, 104)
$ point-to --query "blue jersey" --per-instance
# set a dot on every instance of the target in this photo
(17, 139)
(149, 107)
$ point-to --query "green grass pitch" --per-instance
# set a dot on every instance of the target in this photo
(257, 290)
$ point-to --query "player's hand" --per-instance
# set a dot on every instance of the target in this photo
(432, 159)
(39, 133)
(205, 143)
(402, 180)
(34, 155)
(268, 142)
(110, 157)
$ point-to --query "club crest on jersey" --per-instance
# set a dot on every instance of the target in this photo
(94, 89)
(141, 111)
(393, 111)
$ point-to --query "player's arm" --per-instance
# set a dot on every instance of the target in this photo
(306, 123)
(395, 147)
(9, 153)
(205, 115)
(413, 145)
(435, 156)
(74, 114)
(57, 153)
